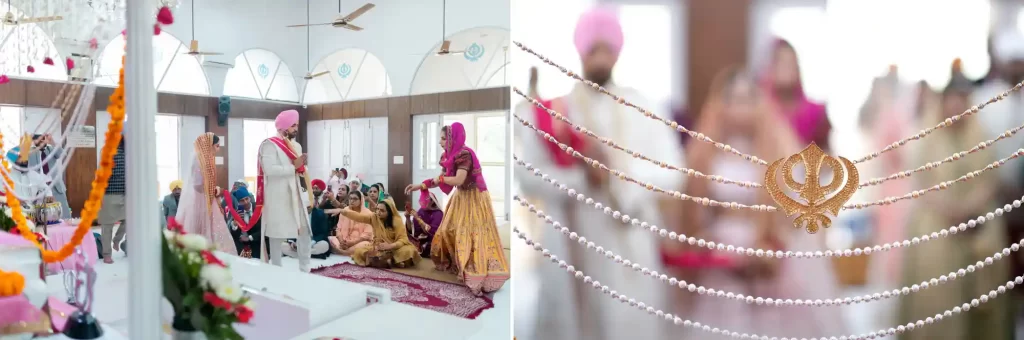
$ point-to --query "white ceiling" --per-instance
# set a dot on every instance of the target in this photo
(400, 33)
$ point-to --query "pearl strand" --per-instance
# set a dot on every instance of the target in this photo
(674, 125)
(753, 159)
(669, 317)
(947, 122)
(699, 242)
(767, 301)
(649, 186)
(941, 186)
(637, 155)
(936, 164)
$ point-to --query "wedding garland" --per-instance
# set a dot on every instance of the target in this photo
(11, 283)
(99, 183)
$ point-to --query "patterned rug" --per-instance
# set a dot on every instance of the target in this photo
(444, 297)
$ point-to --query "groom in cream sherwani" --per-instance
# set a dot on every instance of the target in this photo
(281, 166)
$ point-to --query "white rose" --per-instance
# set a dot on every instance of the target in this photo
(7, 210)
(214, 276)
(193, 242)
(250, 304)
(169, 235)
(230, 292)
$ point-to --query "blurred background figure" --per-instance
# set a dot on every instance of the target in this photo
(774, 76)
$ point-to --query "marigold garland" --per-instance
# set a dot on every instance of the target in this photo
(11, 283)
(99, 184)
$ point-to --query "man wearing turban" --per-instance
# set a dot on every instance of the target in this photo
(281, 166)
(170, 204)
(571, 311)
(244, 224)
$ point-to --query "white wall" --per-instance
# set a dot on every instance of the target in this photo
(399, 32)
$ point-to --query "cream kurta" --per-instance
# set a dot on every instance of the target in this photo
(283, 212)
(602, 115)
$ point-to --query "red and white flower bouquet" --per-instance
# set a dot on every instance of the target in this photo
(200, 289)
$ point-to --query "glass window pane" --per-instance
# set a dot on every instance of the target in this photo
(495, 178)
(10, 118)
(238, 81)
(484, 53)
(429, 156)
(490, 139)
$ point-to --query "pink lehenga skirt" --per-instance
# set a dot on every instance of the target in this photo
(208, 221)
(796, 279)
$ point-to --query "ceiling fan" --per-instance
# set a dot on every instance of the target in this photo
(343, 21)
(309, 74)
(446, 44)
(193, 46)
(12, 20)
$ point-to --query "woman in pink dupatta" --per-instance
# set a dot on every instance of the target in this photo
(199, 211)
(785, 90)
(467, 242)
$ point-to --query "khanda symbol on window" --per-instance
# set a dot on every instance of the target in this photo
(815, 202)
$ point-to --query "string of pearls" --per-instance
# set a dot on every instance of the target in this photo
(711, 245)
(753, 159)
(941, 186)
(766, 301)
(674, 125)
(760, 207)
(649, 186)
(637, 155)
(676, 320)
(949, 159)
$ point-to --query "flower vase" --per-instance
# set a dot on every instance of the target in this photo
(183, 330)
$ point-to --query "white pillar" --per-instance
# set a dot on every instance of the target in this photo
(145, 285)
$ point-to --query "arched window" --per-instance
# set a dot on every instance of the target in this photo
(261, 74)
(27, 45)
(484, 53)
(172, 71)
(352, 73)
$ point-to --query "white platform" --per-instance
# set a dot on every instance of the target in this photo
(385, 322)
(327, 299)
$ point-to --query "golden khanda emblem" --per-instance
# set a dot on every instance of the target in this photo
(815, 196)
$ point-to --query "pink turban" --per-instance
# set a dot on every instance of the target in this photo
(599, 24)
(286, 119)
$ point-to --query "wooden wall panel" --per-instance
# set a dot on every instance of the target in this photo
(82, 166)
(399, 111)
(708, 54)
(399, 144)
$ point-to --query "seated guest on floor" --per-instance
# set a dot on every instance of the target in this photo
(245, 224)
(424, 222)
(319, 225)
(350, 236)
(391, 243)
(170, 204)
(234, 186)
(341, 196)
(327, 200)
(467, 242)
(338, 179)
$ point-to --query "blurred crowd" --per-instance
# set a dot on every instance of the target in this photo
(765, 112)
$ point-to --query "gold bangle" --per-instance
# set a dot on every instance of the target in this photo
(423, 186)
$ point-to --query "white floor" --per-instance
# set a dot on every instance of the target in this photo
(493, 323)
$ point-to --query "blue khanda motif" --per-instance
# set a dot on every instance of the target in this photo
(344, 71)
(263, 71)
(474, 52)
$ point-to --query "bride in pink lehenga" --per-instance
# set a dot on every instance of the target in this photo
(199, 211)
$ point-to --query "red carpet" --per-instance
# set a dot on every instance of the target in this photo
(444, 297)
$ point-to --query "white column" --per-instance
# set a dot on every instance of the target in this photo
(145, 285)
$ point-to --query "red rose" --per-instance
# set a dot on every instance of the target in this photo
(216, 301)
(70, 63)
(165, 16)
(156, 29)
(4, 79)
(243, 314)
(31, 69)
(48, 61)
(211, 259)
